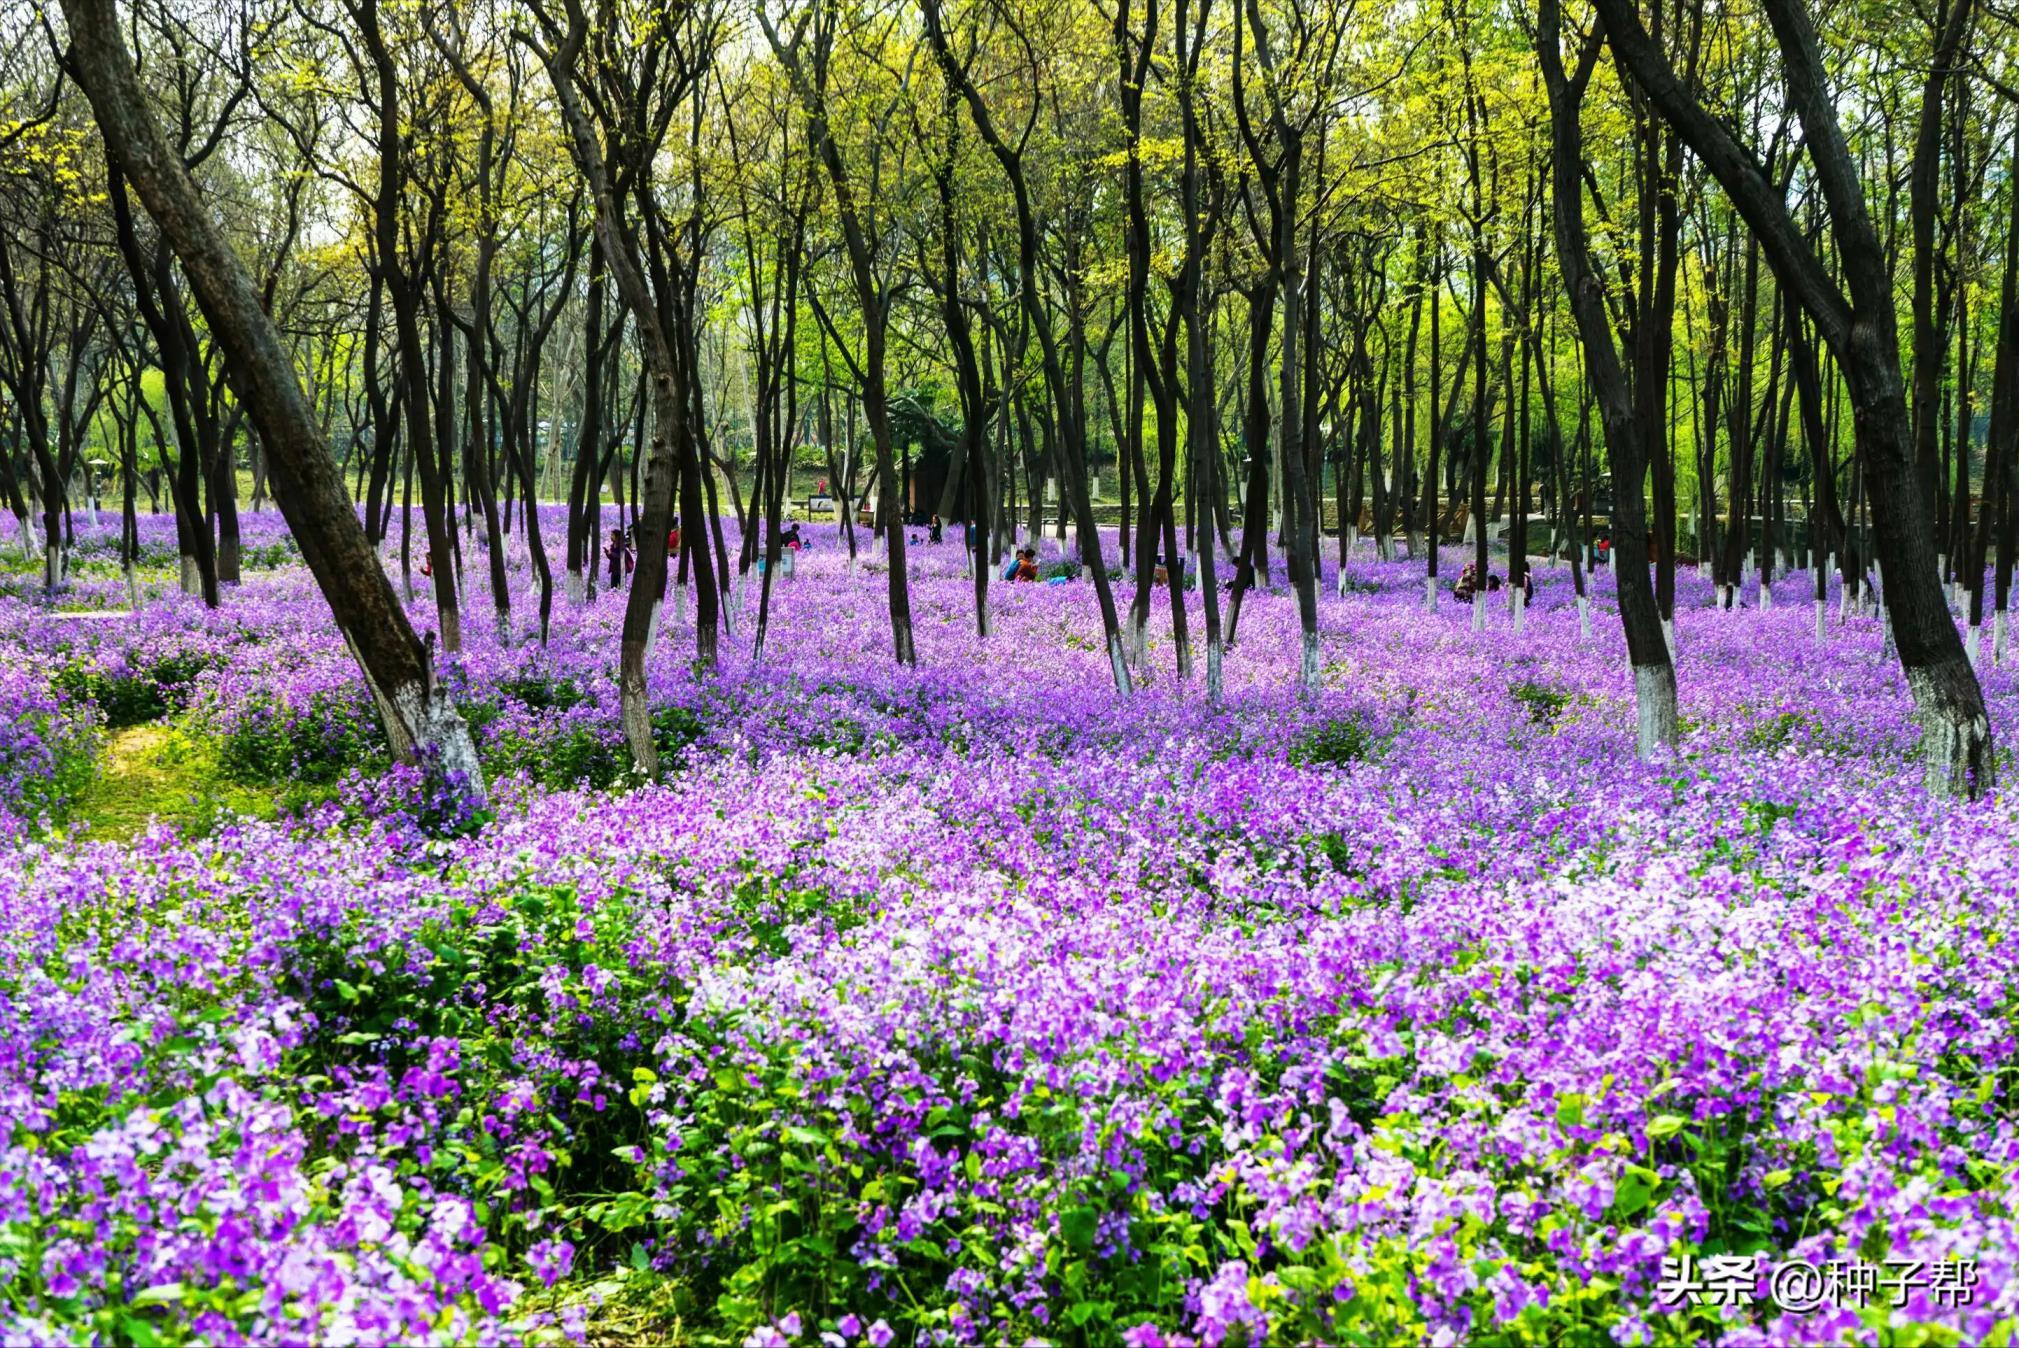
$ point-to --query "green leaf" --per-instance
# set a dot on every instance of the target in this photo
(1077, 1225)
(161, 1294)
(1636, 1186)
(1665, 1125)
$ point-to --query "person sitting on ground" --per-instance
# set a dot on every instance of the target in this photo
(791, 539)
(1468, 584)
(1492, 584)
(1027, 565)
(936, 531)
(1527, 586)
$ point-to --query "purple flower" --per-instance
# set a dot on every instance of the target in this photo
(551, 1260)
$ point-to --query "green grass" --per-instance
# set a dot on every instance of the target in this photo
(156, 772)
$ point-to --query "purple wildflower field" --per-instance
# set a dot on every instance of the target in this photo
(969, 1004)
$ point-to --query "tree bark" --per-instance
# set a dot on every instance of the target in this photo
(420, 718)
(1860, 327)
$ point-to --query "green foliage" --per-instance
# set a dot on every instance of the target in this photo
(583, 752)
(1545, 702)
(136, 692)
(67, 742)
(1336, 742)
(315, 744)
(268, 556)
(541, 689)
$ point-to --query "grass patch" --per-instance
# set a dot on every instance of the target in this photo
(156, 772)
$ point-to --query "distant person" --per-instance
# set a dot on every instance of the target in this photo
(618, 552)
(1492, 584)
(672, 557)
(936, 531)
(1027, 565)
(791, 539)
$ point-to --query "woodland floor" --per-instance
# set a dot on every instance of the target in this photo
(156, 773)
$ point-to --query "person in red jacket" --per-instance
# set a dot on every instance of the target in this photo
(672, 557)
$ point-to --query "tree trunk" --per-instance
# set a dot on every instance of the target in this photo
(420, 718)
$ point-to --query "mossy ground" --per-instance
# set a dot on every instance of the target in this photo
(159, 772)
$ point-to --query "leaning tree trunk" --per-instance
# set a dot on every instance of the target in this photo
(1858, 323)
(420, 717)
(1654, 685)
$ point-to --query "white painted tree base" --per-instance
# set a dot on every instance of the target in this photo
(1656, 720)
(1118, 664)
